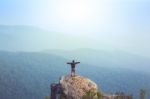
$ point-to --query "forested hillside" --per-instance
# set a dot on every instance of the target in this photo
(28, 75)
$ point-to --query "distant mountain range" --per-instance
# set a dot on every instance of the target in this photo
(25, 75)
(101, 58)
(29, 38)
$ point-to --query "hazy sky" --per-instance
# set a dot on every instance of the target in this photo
(123, 24)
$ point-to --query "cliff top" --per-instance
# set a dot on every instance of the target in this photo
(76, 87)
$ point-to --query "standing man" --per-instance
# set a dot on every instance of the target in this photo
(73, 65)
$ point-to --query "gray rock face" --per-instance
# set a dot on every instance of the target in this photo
(76, 87)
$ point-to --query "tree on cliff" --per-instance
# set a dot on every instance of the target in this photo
(143, 94)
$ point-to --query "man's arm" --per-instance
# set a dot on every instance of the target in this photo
(68, 63)
(77, 62)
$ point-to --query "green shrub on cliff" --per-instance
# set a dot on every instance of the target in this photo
(93, 94)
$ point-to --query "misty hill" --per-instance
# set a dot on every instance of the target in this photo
(30, 38)
(115, 58)
(28, 75)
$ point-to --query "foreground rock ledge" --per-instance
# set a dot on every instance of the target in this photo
(76, 87)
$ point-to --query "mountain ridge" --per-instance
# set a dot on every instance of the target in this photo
(115, 58)
(30, 38)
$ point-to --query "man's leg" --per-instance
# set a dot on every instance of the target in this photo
(73, 71)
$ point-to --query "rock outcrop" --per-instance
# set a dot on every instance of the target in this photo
(76, 87)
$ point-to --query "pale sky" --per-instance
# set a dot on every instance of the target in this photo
(118, 24)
